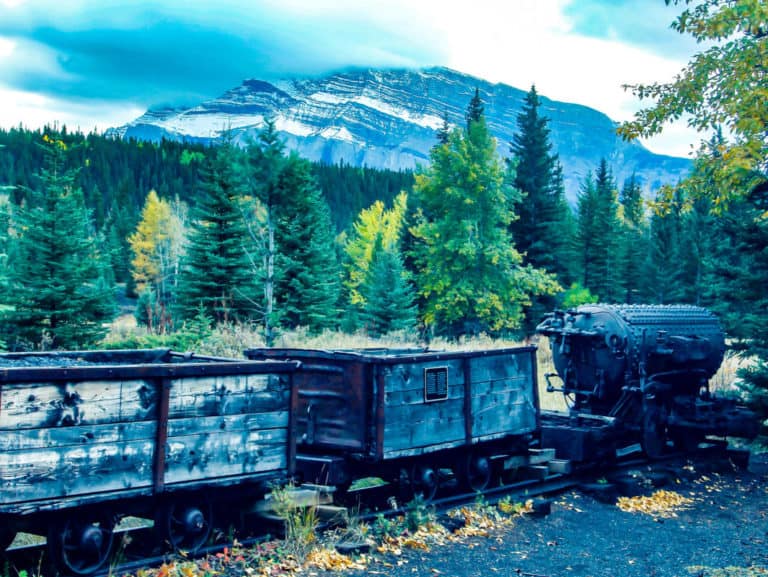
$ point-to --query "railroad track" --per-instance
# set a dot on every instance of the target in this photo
(136, 551)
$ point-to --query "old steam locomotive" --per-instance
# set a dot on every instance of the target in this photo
(643, 371)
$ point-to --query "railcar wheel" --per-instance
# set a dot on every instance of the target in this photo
(81, 547)
(185, 525)
(424, 482)
(477, 472)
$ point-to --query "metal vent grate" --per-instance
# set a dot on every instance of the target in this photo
(435, 384)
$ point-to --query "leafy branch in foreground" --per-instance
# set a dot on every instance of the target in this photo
(723, 88)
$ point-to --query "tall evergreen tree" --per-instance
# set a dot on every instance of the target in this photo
(597, 235)
(387, 292)
(444, 131)
(5, 264)
(664, 274)
(309, 277)
(468, 272)
(698, 240)
(215, 276)
(475, 110)
(541, 231)
(633, 241)
(60, 295)
(294, 240)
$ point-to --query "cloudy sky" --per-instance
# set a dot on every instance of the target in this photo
(93, 64)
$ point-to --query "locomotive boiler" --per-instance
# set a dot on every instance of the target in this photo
(645, 370)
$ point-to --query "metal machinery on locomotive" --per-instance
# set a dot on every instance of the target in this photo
(406, 415)
(89, 437)
(643, 371)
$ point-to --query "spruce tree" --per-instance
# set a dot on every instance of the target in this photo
(475, 110)
(308, 279)
(60, 295)
(388, 294)
(215, 272)
(294, 252)
(541, 231)
(736, 276)
(664, 273)
(597, 235)
(469, 275)
(633, 241)
(444, 131)
(5, 231)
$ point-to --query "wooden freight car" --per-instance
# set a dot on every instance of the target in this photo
(88, 437)
(406, 415)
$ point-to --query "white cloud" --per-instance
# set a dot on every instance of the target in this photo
(520, 42)
(34, 111)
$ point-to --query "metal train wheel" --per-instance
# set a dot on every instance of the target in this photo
(185, 524)
(424, 482)
(477, 472)
(81, 547)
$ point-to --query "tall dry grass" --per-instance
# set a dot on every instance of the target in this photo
(231, 340)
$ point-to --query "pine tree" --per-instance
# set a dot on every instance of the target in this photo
(60, 293)
(597, 234)
(469, 274)
(475, 110)
(308, 279)
(444, 131)
(294, 251)
(387, 293)
(541, 231)
(664, 273)
(633, 242)
(215, 272)
(698, 240)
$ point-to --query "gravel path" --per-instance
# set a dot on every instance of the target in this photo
(721, 532)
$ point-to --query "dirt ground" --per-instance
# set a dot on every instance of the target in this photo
(700, 523)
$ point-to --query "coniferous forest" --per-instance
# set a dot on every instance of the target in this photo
(187, 237)
(259, 235)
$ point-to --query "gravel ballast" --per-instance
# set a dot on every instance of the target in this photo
(719, 530)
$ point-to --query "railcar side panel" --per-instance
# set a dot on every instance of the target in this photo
(75, 438)
(414, 423)
(504, 395)
(69, 438)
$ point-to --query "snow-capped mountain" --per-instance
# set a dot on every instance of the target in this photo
(388, 119)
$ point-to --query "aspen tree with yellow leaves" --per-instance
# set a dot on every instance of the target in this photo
(156, 245)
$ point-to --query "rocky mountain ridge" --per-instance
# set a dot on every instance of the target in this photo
(388, 119)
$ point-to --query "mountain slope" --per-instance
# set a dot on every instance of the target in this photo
(388, 119)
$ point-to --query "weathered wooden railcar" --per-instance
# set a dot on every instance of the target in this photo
(405, 415)
(87, 437)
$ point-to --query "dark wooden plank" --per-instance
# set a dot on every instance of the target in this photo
(509, 412)
(208, 425)
(77, 436)
(228, 395)
(410, 377)
(503, 365)
(47, 473)
(207, 456)
(55, 404)
(428, 424)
